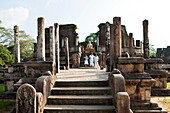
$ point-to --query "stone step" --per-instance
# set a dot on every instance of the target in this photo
(80, 90)
(80, 100)
(78, 109)
(149, 111)
(160, 92)
(88, 83)
(144, 106)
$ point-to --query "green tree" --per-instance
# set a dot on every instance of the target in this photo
(92, 37)
(26, 42)
(5, 55)
(152, 51)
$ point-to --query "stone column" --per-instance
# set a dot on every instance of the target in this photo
(57, 51)
(52, 44)
(117, 39)
(97, 40)
(130, 44)
(47, 45)
(145, 39)
(111, 49)
(41, 40)
(35, 50)
(16, 44)
(107, 45)
(66, 52)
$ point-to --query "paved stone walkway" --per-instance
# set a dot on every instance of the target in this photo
(83, 74)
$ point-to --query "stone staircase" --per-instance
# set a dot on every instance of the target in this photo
(80, 97)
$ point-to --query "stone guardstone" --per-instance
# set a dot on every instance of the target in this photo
(26, 99)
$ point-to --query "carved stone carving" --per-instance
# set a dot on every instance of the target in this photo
(75, 60)
(26, 99)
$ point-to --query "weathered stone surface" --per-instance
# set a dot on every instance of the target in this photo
(145, 39)
(75, 60)
(57, 51)
(123, 102)
(39, 101)
(131, 44)
(16, 45)
(41, 40)
(66, 53)
(26, 99)
(117, 38)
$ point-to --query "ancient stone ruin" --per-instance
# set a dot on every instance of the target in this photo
(131, 77)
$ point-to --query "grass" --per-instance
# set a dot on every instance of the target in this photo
(6, 104)
(168, 85)
(166, 103)
(2, 88)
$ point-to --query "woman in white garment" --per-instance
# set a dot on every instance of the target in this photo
(91, 60)
(96, 64)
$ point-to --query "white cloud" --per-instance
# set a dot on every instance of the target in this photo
(14, 16)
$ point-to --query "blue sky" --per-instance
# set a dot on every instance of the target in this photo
(88, 14)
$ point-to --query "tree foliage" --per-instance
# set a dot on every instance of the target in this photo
(5, 55)
(92, 37)
(7, 39)
(152, 51)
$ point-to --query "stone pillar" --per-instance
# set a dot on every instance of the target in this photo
(52, 44)
(77, 40)
(47, 44)
(66, 52)
(107, 45)
(111, 49)
(97, 40)
(57, 51)
(145, 39)
(130, 44)
(35, 50)
(16, 44)
(41, 40)
(117, 39)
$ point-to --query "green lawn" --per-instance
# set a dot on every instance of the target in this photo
(168, 85)
(2, 88)
(5, 105)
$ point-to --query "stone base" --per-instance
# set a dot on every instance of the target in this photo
(146, 107)
(160, 92)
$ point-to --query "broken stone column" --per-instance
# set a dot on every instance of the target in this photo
(145, 39)
(41, 40)
(117, 39)
(57, 52)
(131, 44)
(26, 99)
(66, 52)
(16, 44)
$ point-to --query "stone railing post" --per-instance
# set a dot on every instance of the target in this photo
(121, 98)
(26, 99)
(16, 44)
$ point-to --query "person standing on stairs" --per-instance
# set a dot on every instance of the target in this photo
(86, 60)
(91, 60)
(96, 59)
